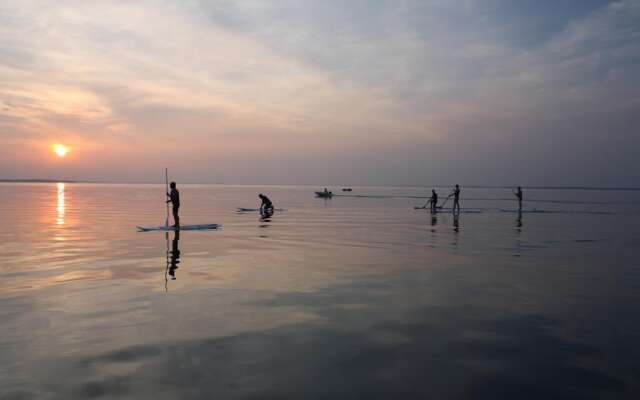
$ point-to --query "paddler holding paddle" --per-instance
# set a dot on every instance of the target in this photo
(433, 201)
(174, 199)
(456, 198)
(518, 195)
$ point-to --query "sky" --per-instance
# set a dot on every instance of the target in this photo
(326, 92)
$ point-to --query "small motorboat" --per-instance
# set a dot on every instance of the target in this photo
(324, 195)
(346, 189)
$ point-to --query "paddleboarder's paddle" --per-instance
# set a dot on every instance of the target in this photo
(166, 191)
(445, 202)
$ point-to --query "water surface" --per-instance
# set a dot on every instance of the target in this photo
(360, 296)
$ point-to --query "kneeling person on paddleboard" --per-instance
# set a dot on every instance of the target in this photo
(174, 199)
(267, 205)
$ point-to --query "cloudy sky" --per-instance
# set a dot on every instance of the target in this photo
(486, 92)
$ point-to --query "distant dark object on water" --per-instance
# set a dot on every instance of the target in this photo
(325, 194)
(346, 189)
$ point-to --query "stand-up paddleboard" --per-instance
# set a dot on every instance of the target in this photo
(201, 227)
(449, 210)
(241, 209)
(167, 227)
(535, 210)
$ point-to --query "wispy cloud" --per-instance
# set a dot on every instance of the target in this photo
(444, 86)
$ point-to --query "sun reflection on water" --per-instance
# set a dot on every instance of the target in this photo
(60, 205)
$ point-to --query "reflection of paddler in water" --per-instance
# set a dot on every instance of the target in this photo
(456, 230)
(174, 255)
(434, 222)
(266, 214)
(519, 219)
(518, 228)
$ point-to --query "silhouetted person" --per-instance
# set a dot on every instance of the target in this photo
(456, 198)
(433, 201)
(174, 199)
(518, 194)
(175, 255)
(266, 206)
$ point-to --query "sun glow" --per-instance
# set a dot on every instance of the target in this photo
(60, 205)
(60, 150)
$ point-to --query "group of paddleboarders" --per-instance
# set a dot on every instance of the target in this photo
(433, 200)
(266, 206)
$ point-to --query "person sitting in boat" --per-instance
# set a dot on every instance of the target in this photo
(327, 193)
(267, 205)
(433, 201)
(174, 199)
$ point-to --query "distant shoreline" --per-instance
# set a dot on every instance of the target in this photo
(40, 181)
(600, 188)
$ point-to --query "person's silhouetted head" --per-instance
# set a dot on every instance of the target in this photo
(260, 195)
(519, 188)
(172, 185)
(457, 186)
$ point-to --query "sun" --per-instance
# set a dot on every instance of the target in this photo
(60, 150)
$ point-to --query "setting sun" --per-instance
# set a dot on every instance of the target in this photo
(60, 150)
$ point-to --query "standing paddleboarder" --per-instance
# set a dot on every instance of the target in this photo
(518, 194)
(433, 200)
(174, 199)
(456, 198)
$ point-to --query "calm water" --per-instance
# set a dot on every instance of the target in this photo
(353, 297)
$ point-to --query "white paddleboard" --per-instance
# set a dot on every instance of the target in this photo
(449, 211)
(200, 227)
(241, 209)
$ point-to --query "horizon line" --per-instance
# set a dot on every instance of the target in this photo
(473, 186)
